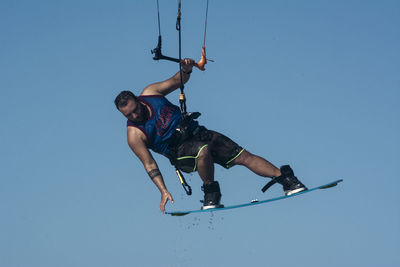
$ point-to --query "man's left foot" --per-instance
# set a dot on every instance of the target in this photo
(212, 196)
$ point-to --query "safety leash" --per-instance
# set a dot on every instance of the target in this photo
(200, 65)
(184, 184)
(182, 97)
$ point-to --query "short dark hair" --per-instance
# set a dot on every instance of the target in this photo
(122, 98)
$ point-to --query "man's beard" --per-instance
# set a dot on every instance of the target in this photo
(145, 113)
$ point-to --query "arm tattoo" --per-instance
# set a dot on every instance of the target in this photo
(153, 173)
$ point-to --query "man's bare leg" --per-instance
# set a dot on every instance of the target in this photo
(205, 166)
(257, 164)
(212, 192)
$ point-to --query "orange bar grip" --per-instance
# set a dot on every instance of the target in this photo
(203, 59)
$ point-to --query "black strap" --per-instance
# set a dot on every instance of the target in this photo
(271, 183)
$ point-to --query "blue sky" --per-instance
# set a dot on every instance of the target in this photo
(313, 84)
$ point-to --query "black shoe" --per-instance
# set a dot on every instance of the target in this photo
(291, 185)
(212, 196)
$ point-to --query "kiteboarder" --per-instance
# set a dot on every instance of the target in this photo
(155, 123)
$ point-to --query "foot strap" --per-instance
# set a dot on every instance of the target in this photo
(271, 183)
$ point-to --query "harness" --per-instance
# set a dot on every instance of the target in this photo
(183, 132)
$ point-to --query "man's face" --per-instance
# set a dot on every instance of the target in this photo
(134, 111)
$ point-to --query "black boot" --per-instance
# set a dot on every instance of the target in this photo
(212, 196)
(291, 185)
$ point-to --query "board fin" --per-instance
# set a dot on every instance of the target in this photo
(180, 213)
(331, 185)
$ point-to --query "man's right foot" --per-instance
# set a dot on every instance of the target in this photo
(291, 185)
(212, 196)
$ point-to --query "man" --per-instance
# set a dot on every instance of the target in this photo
(154, 123)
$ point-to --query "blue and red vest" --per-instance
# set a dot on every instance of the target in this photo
(165, 118)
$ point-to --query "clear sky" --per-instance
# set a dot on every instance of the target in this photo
(313, 84)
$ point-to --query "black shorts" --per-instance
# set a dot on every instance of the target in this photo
(222, 148)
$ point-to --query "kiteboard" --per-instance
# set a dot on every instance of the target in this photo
(254, 202)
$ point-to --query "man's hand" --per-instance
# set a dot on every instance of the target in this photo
(165, 196)
(187, 65)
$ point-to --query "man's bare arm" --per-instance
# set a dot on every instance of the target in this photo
(173, 83)
(137, 142)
